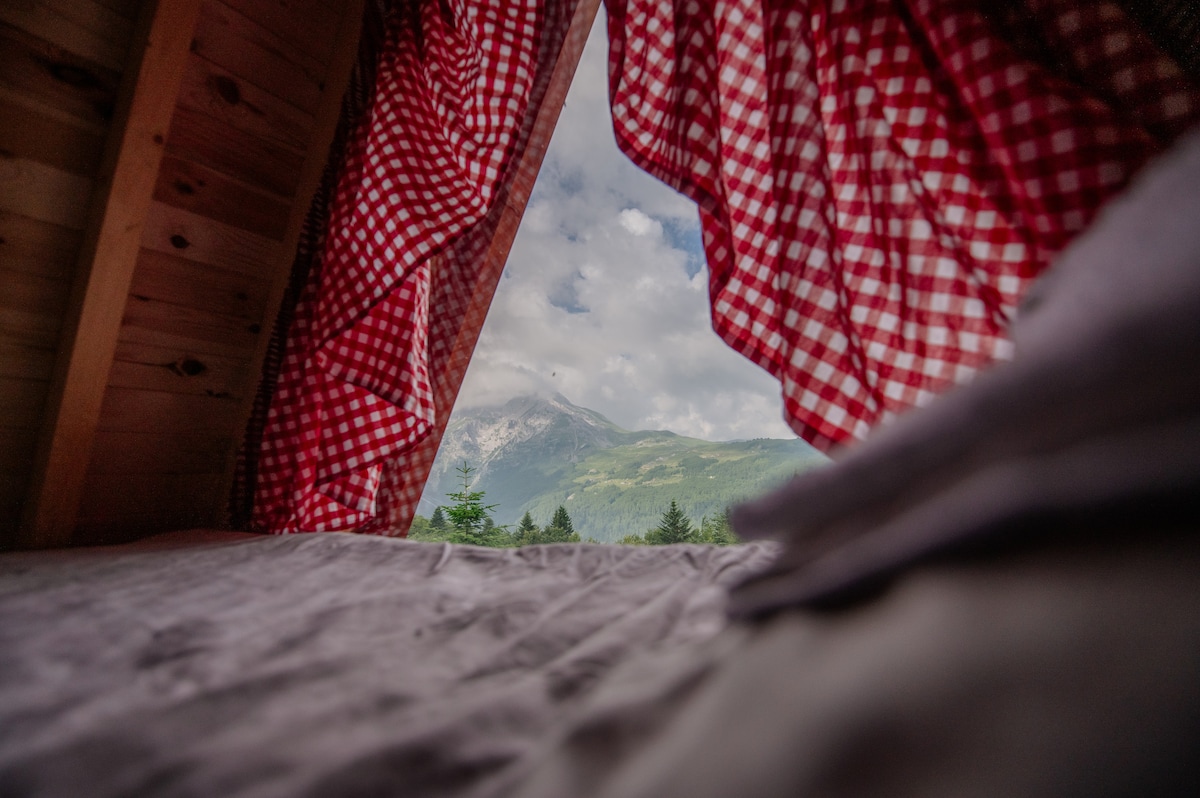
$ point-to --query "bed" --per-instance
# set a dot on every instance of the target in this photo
(996, 595)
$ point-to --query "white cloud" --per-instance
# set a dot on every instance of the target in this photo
(638, 223)
(601, 299)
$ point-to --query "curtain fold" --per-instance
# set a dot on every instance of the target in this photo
(879, 181)
(425, 170)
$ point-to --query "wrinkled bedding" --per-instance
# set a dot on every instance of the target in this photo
(330, 664)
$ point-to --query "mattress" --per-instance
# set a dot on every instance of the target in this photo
(210, 663)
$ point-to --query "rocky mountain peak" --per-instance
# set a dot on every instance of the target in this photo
(482, 435)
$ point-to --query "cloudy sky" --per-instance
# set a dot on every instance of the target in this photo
(604, 298)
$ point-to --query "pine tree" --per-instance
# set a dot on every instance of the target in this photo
(560, 528)
(437, 522)
(528, 533)
(673, 528)
(717, 531)
(562, 520)
(468, 515)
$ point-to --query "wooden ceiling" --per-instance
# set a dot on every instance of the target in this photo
(157, 162)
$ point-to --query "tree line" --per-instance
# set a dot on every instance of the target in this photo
(468, 520)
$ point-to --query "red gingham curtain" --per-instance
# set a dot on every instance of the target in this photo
(880, 180)
(456, 88)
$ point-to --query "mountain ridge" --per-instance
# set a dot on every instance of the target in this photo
(535, 453)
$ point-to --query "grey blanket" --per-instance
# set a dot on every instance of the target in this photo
(997, 596)
(323, 665)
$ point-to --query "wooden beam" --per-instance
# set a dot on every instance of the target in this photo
(120, 203)
(418, 463)
(337, 79)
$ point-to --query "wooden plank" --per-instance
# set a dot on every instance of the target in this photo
(44, 193)
(45, 139)
(190, 284)
(12, 493)
(43, 74)
(192, 236)
(304, 24)
(135, 410)
(39, 330)
(21, 402)
(256, 55)
(149, 88)
(84, 28)
(336, 81)
(206, 192)
(221, 334)
(176, 370)
(153, 326)
(38, 247)
(173, 501)
(20, 289)
(99, 18)
(125, 8)
(17, 446)
(224, 96)
(21, 360)
(157, 453)
(31, 308)
(210, 142)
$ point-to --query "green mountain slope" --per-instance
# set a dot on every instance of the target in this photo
(534, 454)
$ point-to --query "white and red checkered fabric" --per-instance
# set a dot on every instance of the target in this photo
(880, 180)
(355, 388)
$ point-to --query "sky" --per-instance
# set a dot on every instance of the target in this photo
(604, 297)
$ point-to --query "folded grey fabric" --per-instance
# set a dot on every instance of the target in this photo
(1095, 422)
(322, 664)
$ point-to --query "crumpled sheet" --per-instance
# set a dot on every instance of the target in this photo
(1095, 422)
(221, 664)
(998, 595)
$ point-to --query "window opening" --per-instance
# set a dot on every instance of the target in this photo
(603, 306)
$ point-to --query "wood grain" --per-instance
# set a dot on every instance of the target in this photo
(42, 192)
(164, 321)
(125, 8)
(22, 400)
(222, 95)
(45, 138)
(38, 247)
(177, 370)
(33, 294)
(206, 192)
(162, 501)
(304, 24)
(138, 410)
(158, 453)
(37, 329)
(201, 286)
(83, 27)
(22, 360)
(150, 85)
(153, 324)
(208, 141)
(195, 237)
(44, 74)
(258, 56)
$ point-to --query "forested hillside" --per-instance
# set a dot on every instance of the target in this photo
(534, 455)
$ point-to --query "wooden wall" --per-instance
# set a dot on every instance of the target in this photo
(201, 295)
(61, 63)
(205, 242)
(157, 158)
